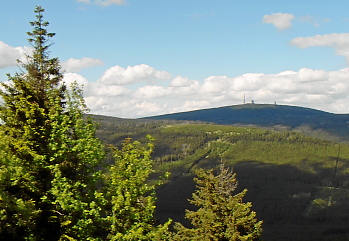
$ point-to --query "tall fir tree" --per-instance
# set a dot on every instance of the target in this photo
(220, 215)
(130, 197)
(49, 151)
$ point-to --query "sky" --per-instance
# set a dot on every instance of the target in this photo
(137, 58)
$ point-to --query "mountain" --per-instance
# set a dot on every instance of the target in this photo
(298, 184)
(271, 116)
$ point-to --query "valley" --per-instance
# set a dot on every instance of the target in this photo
(298, 184)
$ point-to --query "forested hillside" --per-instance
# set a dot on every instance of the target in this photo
(61, 178)
(298, 185)
(315, 122)
(55, 180)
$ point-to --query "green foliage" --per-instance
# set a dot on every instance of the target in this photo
(51, 189)
(52, 185)
(221, 215)
(50, 154)
(130, 198)
(17, 209)
(298, 184)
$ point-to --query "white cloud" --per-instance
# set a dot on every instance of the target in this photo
(280, 20)
(110, 2)
(69, 78)
(319, 89)
(105, 2)
(132, 74)
(249, 81)
(185, 91)
(339, 41)
(103, 90)
(76, 65)
(195, 105)
(99, 105)
(309, 75)
(151, 92)
(180, 81)
(145, 108)
(9, 54)
(95, 88)
(334, 39)
(215, 84)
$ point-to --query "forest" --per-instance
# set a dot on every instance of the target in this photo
(57, 184)
(69, 175)
(298, 184)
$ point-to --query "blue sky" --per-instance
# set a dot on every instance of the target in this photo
(147, 57)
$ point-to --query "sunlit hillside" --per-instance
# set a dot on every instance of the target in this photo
(299, 185)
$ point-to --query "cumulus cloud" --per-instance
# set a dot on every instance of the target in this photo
(320, 89)
(194, 105)
(185, 91)
(334, 39)
(9, 54)
(145, 108)
(151, 92)
(249, 81)
(70, 78)
(99, 105)
(280, 20)
(94, 88)
(180, 81)
(339, 41)
(103, 90)
(308, 75)
(119, 96)
(215, 84)
(105, 2)
(76, 65)
(132, 74)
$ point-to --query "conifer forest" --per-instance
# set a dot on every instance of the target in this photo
(66, 174)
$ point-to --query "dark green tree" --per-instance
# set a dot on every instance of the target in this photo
(221, 215)
(49, 153)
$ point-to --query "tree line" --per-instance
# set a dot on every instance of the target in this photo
(55, 185)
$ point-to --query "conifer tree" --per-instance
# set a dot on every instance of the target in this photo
(49, 151)
(221, 215)
(129, 196)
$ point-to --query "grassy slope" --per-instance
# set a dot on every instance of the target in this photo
(298, 185)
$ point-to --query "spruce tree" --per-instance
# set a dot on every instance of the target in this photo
(220, 215)
(49, 152)
(130, 197)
